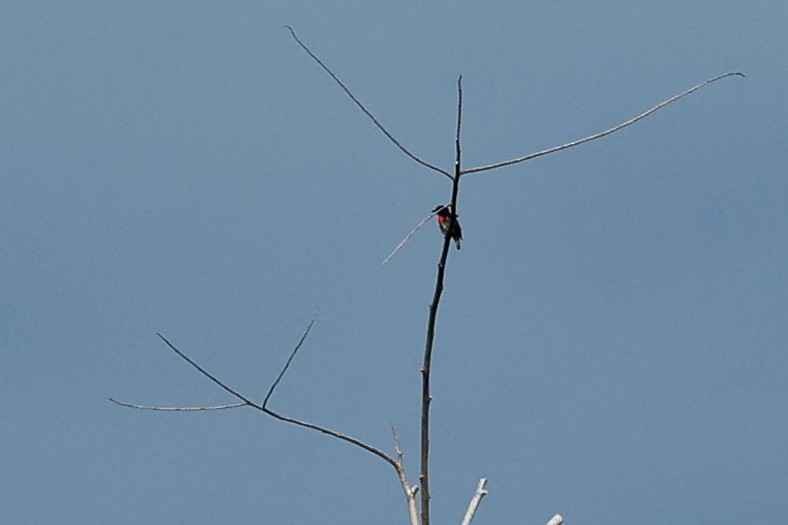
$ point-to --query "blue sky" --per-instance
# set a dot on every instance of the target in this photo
(612, 338)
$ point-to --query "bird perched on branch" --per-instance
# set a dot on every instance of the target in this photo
(445, 216)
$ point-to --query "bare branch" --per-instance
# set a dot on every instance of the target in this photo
(318, 428)
(481, 491)
(411, 234)
(324, 430)
(206, 373)
(397, 447)
(263, 407)
(399, 467)
(410, 491)
(459, 128)
(349, 93)
(603, 133)
(176, 409)
(426, 368)
(287, 363)
(556, 520)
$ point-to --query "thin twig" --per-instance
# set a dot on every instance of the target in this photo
(603, 133)
(411, 234)
(206, 373)
(176, 409)
(459, 128)
(364, 109)
(287, 363)
(324, 430)
(410, 491)
(481, 491)
(397, 447)
(263, 407)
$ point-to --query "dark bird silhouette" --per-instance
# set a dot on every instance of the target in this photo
(447, 220)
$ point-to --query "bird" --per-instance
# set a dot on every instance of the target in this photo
(444, 219)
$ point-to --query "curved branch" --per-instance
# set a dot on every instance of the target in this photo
(206, 373)
(358, 103)
(603, 133)
(333, 433)
(312, 426)
(263, 407)
(176, 409)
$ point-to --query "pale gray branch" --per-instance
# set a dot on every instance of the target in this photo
(409, 490)
(176, 409)
(556, 520)
(603, 133)
(411, 234)
(481, 491)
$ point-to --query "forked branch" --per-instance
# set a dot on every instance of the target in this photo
(603, 133)
(410, 490)
(246, 401)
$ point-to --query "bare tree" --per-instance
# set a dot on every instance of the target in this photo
(418, 511)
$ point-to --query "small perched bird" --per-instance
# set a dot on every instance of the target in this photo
(444, 219)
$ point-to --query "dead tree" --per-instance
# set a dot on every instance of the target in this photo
(418, 508)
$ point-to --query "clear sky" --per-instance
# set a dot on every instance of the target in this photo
(613, 341)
